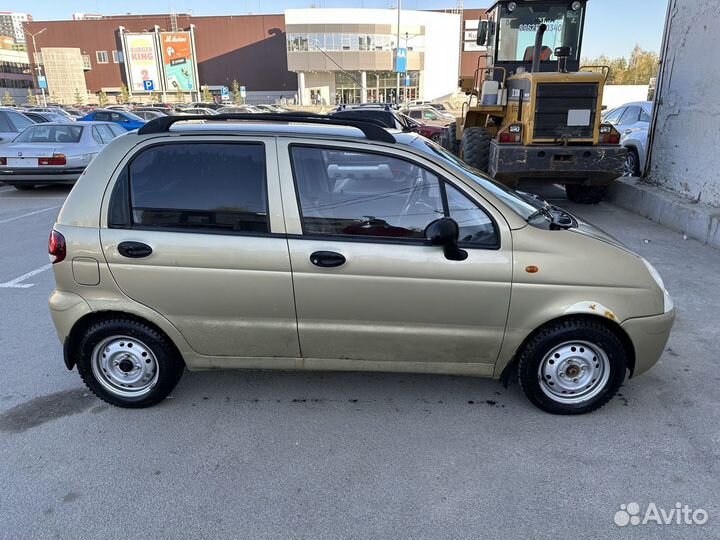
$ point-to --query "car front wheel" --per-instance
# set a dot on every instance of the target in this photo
(572, 367)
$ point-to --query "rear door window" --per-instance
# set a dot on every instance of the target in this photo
(5, 124)
(106, 133)
(19, 121)
(207, 187)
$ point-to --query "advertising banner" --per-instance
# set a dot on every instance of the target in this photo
(142, 62)
(177, 61)
(401, 59)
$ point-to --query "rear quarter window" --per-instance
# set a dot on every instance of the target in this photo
(210, 187)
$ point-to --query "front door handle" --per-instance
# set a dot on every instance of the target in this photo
(134, 250)
(327, 259)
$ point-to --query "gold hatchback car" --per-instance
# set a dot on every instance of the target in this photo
(302, 242)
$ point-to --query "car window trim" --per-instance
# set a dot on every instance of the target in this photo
(128, 196)
(380, 239)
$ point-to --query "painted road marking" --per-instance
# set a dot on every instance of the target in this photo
(28, 214)
(17, 283)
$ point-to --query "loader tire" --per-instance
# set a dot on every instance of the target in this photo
(476, 148)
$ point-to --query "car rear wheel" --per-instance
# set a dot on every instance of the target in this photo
(128, 363)
(572, 367)
(24, 187)
(585, 194)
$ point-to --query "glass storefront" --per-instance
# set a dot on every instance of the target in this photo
(381, 87)
(352, 42)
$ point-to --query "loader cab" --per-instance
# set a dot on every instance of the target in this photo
(510, 31)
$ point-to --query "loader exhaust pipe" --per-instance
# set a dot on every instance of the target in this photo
(537, 50)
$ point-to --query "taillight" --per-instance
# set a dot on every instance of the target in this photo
(56, 247)
(3, 161)
(57, 159)
(513, 134)
(609, 135)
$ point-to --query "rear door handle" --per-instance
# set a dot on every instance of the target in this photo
(134, 250)
(327, 259)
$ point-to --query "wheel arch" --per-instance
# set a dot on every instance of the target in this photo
(511, 367)
(83, 323)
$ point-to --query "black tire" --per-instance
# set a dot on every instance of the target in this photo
(24, 187)
(585, 194)
(168, 362)
(538, 353)
(476, 148)
(632, 163)
(453, 143)
(436, 137)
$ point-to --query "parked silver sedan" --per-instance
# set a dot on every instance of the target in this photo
(53, 152)
(632, 120)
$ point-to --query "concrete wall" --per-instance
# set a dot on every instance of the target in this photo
(684, 156)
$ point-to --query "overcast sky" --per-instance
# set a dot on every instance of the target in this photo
(613, 27)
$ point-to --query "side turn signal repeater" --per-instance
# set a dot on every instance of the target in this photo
(532, 269)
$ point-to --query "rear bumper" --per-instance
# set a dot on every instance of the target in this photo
(38, 175)
(590, 165)
(649, 335)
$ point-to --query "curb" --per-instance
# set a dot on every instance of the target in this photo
(697, 220)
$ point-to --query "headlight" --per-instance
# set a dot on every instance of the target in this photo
(667, 299)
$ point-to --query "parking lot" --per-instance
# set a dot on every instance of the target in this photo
(325, 455)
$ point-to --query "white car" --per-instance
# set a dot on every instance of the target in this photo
(53, 152)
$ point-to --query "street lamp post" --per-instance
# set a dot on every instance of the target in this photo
(38, 68)
(397, 49)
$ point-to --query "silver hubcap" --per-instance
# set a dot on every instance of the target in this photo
(125, 366)
(574, 372)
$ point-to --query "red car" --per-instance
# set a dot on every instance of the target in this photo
(431, 130)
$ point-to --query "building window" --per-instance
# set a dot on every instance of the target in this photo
(86, 62)
(117, 57)
(101, 57)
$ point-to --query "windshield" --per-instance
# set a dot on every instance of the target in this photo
(518, 29)
(523, 206)
(43, 133)
(132, 116)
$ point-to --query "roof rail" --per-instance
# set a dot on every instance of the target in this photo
(372, 129)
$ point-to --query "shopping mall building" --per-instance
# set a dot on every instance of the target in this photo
(321, 56)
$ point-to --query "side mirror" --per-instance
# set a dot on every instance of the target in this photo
(482, 33)
(445, 232)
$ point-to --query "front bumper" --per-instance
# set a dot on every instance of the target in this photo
(38, 175)
(590, 165)
(649, 335)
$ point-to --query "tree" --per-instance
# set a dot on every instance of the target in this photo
(31, 98)
(124, 95)
(235, 92)
(8, 100)
(78, 97)
(102, 98)
(153, 97)
(206, 94)
(180, 96)
(642, 66)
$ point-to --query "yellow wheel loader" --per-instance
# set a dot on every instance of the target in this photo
(533, 114)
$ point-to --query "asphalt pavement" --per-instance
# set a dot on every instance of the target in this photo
(368, 456)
